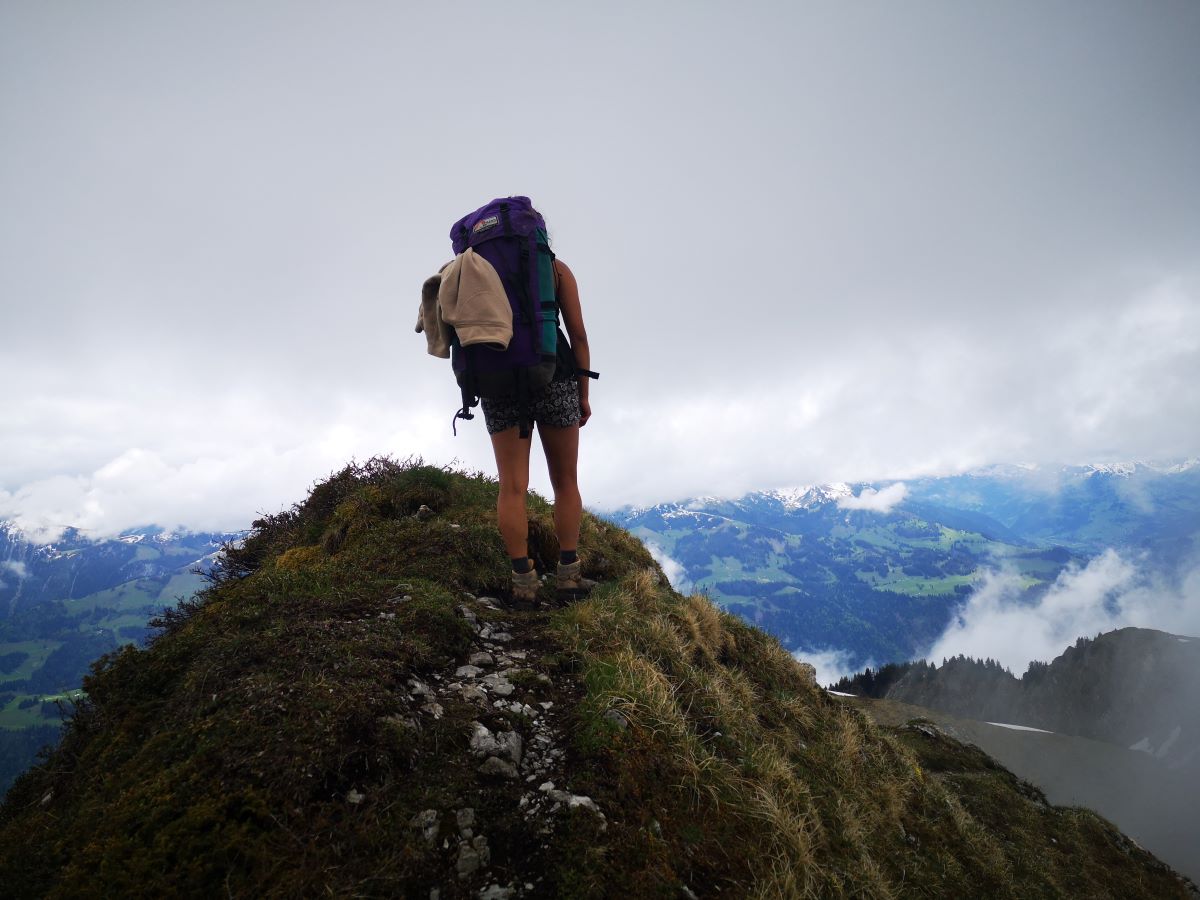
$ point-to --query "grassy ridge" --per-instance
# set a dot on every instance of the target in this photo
(742, 774)
(262, 745)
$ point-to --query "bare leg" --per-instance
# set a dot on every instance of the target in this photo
(512, 462)
(562, 458)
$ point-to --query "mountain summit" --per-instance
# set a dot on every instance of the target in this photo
(350, 710)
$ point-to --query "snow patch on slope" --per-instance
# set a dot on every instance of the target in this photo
(1020, 727)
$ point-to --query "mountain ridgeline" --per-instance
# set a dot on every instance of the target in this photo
(349, 709)
(818, 568)
(1134, 687)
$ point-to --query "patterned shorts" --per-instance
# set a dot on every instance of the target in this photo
(557, 406)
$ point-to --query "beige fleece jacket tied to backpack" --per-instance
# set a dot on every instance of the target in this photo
(468, 297)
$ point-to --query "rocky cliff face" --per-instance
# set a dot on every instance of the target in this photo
(351, 709)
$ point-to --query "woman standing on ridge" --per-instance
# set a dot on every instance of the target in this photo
(493, 310)
(559, 411)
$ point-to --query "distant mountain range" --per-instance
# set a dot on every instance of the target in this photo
(878, 569)
(63, 605)
(76, 566)
(1138, 505)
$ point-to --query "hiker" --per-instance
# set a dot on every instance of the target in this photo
(494, 312)
(559, 411)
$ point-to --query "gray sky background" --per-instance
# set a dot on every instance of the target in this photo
(815, 241)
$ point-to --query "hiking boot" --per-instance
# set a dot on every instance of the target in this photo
(525, 587)
(571, 583)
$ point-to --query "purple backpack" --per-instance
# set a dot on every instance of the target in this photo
(511, 235)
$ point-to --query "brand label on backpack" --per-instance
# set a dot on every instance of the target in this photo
(485, 224)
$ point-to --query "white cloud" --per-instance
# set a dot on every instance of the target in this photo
(1110, 592)
(268, 462)
(269, 265)
(881, 501)
(831, 664)
(179, 445)
(672, 568)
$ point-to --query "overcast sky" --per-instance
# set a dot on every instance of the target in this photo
(814, 241)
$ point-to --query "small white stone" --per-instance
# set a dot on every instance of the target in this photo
(434, 709)
(494, 765)
(586, 802)
(473, 694)
(427, 821)
(469, 860)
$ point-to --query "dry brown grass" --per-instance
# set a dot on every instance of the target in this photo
(797, 795)
(738, 714)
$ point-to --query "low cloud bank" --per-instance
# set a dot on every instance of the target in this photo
(140, 488)
(12, 571)
(183, 479)
(881, 501)
(1112, 591)
(831, 664)
(672, 568)
(1093, 377)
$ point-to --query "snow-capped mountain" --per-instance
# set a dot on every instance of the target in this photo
(780, 500)
(73, 566)
(809, 496)
(879, 578)
(1132, 468)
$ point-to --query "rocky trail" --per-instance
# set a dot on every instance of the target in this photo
(513, 702)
